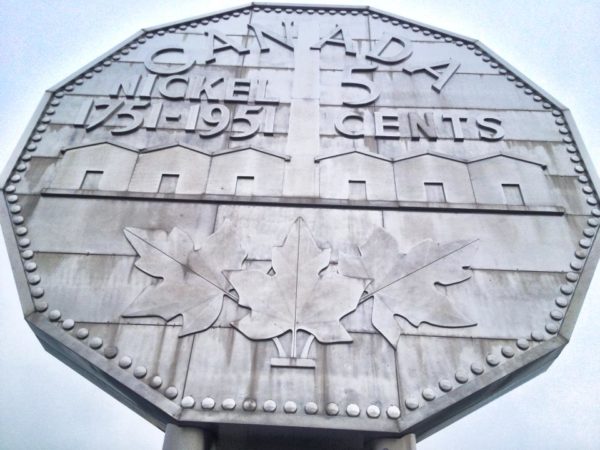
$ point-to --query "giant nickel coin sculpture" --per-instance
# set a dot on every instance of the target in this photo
(317, 218)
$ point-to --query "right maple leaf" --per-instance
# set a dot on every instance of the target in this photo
(404, 284)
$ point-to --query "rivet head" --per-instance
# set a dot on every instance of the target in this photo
(492, 360)
(552, 328)
(37, 292)
(12, 198)
(18, 220)
(507, 351)
(411, 403)
(593, 222)
(562, 302)
(477, 368)
(353, 410)
(68, 324)
(171, 392)
(10, 189)
(591, 201)
(125, 362)
(188, 402)
(21, 231)
(556, 314)
(572, 277)
(96, 342)
(269, 406)
(523, 344)
(576, 265)
(110, 352)
(27, 254)
(82, 333)
(589, 232)
(54, 315)
(566, 289)
(311, 408)
(208, 403)
(428, 394)
(461, 376)
(30, 266)
(41, 306)
(24, 242)
(332, 409)
(33, 278)
(445, 385)
(373, 411)
(249, 404)
(537, 336)
(581, 253)
(290, 407)
(393, 412)
(140, 372)
(228, 404)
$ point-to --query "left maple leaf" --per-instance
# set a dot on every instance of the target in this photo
(192, 283)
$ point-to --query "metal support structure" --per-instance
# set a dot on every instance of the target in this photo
(408, 442)
(185, 438)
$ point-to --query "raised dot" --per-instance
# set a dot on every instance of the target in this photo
(332, 409)
(30, 266)
(593, 222)
(507, 351)
(579, 169)
(552, 328)
(537, 336)
(24, 242)
(96, 342)
(428, 394)
(561, 302)
(21, 167)
(572, 277)
(585, 243)
(353, 410)
(595, 212)
(41, 306)
(32, 147)
(290, 407)
(589, 232)
(537, 98)
(37, 292)
(461, 376)
(556, 314)
(27, 254)
(18, 220)
(492, 360)
(12, 198)
(311, 408)
(10, 188)
(566, 289)
(249, 404)
(269, 406)
(591, 201)
(519, 84)
(15, 209)
(15, 178)
(582, 179)
(373, 411)
(125, 362)
(140, 372)
(445, 385)
(68, 324)
(576, 265)
(188, 402)
(393, 412)
(547, 105)
(82, 333)
(21, 231)
(411, 403)
(523, 344)
(587, 190)
(477, 368)
(171, 392)
(207, 403)
(228, 404)
(581, 253)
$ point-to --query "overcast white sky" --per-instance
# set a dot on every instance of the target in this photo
(45, 405)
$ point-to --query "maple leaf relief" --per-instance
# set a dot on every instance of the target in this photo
(297, 296)
(192, 283)
(404, 284)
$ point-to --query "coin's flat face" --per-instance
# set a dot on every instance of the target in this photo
(302, 217)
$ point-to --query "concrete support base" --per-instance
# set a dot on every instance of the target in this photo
(408, 442)
(185, 438)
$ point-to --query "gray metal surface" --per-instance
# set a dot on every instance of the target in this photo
(294, 220)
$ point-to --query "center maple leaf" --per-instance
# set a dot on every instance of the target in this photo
(298, 296)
